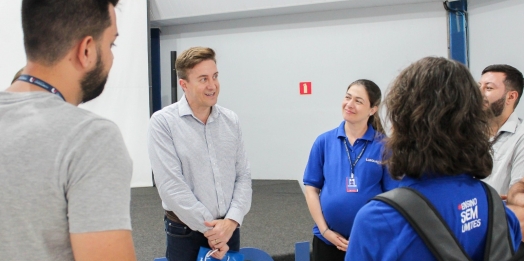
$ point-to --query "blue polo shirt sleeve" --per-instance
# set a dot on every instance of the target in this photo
(514, 228)
(314, 174)
(364, 243)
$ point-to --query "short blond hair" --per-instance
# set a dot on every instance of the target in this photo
(189, 58)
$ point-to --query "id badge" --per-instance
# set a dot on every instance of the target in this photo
(351, 184)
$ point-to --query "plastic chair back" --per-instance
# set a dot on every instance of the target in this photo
(255, 254)
(302, 251)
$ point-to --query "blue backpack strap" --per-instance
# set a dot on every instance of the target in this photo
(499, 245)
(427, 222)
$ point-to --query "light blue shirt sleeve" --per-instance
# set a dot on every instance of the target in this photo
(242, 193)
(171, 184)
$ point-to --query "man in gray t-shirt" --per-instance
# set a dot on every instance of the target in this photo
(65, 172)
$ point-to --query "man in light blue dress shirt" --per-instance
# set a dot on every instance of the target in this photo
(501, 86)
(199, 163)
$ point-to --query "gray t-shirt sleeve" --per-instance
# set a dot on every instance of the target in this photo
(98, 179)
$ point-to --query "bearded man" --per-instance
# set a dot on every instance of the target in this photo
(65, 172)
(501, 86)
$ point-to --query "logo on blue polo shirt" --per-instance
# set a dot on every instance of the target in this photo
(469, 215)
(374, 161)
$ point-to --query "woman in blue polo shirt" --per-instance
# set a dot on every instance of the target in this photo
(345, 170)
(440, 146)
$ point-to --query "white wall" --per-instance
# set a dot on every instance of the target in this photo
(497, 36)
(262, 60)
(125, 99)
(169, 12)
(11, 42)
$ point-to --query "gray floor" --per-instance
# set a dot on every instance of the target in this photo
(277, 220)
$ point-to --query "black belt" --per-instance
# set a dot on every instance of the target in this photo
(171, 216)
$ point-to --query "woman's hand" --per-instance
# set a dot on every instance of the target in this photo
(336, 239)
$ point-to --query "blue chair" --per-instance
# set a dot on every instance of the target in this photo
(160, 259)
(302, 251)
(255, 254)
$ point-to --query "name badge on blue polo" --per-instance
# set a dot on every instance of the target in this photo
(351, 184)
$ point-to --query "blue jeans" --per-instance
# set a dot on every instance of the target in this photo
(183, 243)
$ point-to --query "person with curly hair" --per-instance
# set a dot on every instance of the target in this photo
(440, 148)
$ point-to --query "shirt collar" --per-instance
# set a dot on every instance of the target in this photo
(511, 124)
(185, 109)
(408, 181)
(369, 135)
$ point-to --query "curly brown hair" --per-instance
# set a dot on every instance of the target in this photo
(439, 125)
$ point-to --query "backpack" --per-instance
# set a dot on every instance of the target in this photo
(439, 238)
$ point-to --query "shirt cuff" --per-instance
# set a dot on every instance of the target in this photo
(236, 215)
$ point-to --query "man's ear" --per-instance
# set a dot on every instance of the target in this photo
(86, 52)
(512, 97)
(182, 83)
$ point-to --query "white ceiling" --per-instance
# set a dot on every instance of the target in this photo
(176, 12)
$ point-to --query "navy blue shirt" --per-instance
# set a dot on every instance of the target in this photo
(328, 169)
(381, 233)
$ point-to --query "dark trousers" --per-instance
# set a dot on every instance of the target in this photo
(325, 252)
(183, 243)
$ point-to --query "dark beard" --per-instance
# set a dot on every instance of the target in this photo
(498, 106)
(94, 81)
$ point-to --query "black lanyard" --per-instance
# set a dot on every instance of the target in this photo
(33, 80)
(349, 157)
